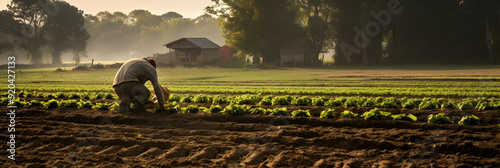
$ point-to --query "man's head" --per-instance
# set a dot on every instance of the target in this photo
(152, 62)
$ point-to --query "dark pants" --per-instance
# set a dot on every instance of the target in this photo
(132, 93)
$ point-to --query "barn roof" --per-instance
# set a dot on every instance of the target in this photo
(202, 43)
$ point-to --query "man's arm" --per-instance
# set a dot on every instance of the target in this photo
(156, 85)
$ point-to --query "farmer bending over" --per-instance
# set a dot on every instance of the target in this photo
(129, 84)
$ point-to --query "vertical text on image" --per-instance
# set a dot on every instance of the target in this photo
(11, 65)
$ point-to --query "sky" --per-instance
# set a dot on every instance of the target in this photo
(187, 8)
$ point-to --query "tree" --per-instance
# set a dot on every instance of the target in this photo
(65, 31)
(28, 31)
(257, 27)
(171, 15)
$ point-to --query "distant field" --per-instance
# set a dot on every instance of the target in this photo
(448, 81)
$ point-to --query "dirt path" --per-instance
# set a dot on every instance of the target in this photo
(88, 138)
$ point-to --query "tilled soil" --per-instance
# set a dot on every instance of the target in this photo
(98, 138)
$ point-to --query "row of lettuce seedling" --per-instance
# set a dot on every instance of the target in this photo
(479, 104)
(234, 109)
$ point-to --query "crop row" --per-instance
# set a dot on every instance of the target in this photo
(479, 104)
(234, 109)
(293, 90)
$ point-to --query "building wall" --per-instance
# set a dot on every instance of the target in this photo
(210, 55)
(292, 57)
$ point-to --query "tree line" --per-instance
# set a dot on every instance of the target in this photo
(367, 32)
(47, 29)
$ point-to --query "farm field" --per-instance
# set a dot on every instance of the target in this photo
(263, 118)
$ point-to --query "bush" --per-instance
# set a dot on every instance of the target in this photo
(469, 120)
(407, 117)
(51, 104)
(301, 113)
(282, 100)
(348, 114)
(301, 101)
(235, 109)
(330, 113)
(213, 109)
(258, 111)
(375, 114)
(439, 119)
(190, 109)
(279, 112)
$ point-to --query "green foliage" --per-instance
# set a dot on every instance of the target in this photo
(214, 109)
(351, 102)
(109, 96)
(481, 106)
(469, 120)
(301, 113)
(428, 103)
(439, 119)
(235, 109)
(102, 106)
(407, 117)
(279, 112)
(174, 98)
(266, 100)
(330, 113)
(36, 103)
(375, 114)
(84, 104)
(187, 99)
(114, 106)
(258, 111)
(51, 104)
(85, 95)
(449, 104)
(334, 103)
(465, 105)
(51, 96)
(171, 108)
(61, 95)
(98, 96)
(411, 104)
(201, 98)
(371, 102)
(190, 109)
(247, 99)
(74, 95)
(301, 101)
(220, 100)
(68, 103)
(319, 101)
(281, 100)
(348, 114)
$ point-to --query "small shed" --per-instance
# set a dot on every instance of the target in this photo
(298, 52)
(199, 50)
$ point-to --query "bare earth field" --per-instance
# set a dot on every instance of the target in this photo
(100, 138)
